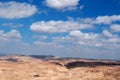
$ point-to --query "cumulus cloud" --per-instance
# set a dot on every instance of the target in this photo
(79, 34)
(78, 44)
(113, 40)
(76, 24)
(101, 20)
(76, 33)
(12, 25)
(77, 51)
(105, 44)
(107, 33)
(107, 19)
(108, 38)
(15, 10)
(13, 35)
(115, 27)
(57, 26)
(62, 4)
(87, 39)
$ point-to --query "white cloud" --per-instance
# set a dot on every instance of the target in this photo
(77, 24)
(105, 44)
(115, 27)
(107, 33)
(62, 4)
(12, 25)
(87, 39)
(107, 19)
(94, 48)
(94, 40)
(106, 39)
(15, 10)
(98, 44)
(76, 33)
(13, 35)
(57, 26)
(86, 20)
(71, 46)
(101, 20)
(113, 40)
(79, 34)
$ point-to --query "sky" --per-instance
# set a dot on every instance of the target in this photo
(67, 28)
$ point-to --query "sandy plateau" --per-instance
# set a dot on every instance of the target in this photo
(29, 68)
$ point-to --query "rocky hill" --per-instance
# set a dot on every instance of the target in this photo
(16, 67)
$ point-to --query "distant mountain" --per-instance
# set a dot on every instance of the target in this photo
(45, 57)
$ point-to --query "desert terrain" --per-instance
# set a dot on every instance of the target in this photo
(17, 67)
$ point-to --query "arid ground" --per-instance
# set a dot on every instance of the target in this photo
(29, 68)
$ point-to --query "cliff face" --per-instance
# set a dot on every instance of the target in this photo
(28, 68)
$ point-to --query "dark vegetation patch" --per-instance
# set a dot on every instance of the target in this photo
(12, 60)
(89, 64)
(56, 63)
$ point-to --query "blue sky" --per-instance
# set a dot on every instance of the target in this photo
(72, 28)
